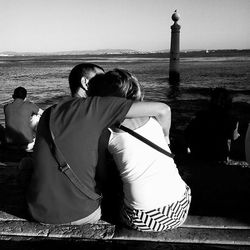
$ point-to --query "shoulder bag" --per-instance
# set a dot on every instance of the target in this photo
(65, 168)
(145, 140)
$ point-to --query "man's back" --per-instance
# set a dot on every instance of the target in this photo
(17, 121)
(77, 124)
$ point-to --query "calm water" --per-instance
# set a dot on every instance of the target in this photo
(46, 78)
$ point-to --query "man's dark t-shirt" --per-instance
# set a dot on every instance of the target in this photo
(17, 121)
(77, 125)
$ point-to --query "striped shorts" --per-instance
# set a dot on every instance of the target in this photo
(160, 219)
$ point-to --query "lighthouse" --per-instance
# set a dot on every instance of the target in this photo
(174, 67)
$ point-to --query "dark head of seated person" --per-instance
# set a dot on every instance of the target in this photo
(76, 124)
(79, 77)
(210, 132)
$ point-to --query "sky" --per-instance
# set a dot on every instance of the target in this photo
(66, 25)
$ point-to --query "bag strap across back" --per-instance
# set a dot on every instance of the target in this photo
(145, 140)
(67, 170)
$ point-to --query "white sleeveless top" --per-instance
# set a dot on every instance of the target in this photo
(150, 178)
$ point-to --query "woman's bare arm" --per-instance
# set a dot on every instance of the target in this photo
(160, 111)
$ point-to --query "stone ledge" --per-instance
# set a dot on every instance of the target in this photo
(215, 222)
(196, 230)
(31, 229)
(189, 235)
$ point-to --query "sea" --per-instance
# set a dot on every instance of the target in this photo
(46, 77)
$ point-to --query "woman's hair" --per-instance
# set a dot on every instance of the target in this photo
(220, 100)
(117, 82)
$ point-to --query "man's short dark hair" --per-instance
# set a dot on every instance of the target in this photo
(20, 92)
(79, 71)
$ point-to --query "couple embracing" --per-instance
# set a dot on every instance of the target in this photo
(64, 184)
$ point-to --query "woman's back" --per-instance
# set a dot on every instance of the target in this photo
(150, 178)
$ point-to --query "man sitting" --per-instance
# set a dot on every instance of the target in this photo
(18, 115)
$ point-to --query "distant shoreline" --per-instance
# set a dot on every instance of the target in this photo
(128, 54)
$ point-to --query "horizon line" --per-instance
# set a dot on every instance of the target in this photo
(113, 51)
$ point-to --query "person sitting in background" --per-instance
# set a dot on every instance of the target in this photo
(247, 144)
(209, 134)
(155, 196)
(19, 127)
(79, 77)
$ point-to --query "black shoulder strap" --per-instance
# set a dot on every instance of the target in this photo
(67, 170)
(145, 140)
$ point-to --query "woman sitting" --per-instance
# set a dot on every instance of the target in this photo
(155, 196)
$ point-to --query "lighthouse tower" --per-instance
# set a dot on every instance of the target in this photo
(174, 68)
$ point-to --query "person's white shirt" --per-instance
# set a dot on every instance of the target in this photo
(35, 119)
(150, 178)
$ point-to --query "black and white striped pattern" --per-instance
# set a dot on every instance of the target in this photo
(160, 219)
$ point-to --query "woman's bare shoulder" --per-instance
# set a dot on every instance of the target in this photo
(134, 123)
